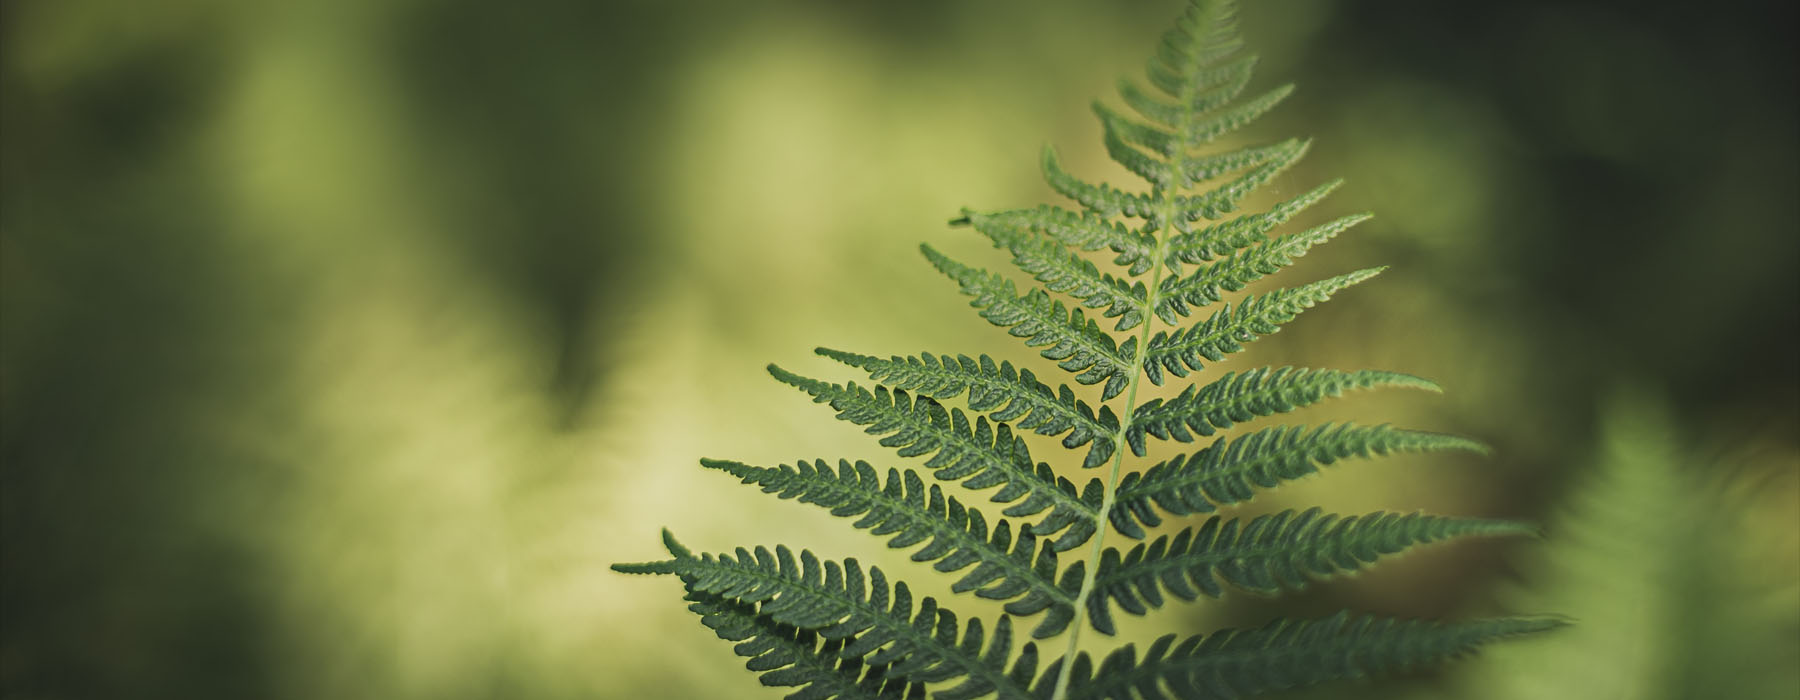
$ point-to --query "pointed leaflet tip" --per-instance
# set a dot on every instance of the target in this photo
(659, 567)
(1545, 623)
(848, 358)
(675, 548)
(737, 469)
(1445, 441)
(783, 375)
(932, 255)
(1410, 381)
(1351, 278)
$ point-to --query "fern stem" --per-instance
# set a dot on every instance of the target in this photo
(1153, 298)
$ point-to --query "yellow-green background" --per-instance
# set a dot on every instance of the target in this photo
(346, 343)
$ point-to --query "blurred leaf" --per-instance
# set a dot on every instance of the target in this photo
(1649, 558)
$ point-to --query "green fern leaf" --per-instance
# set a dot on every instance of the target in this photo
(1007, 394)
(1285, 654)
(1208, 91)
(983, 455)
(1121, 134)
(1268, 162)
(1084, 230)
(1187, 62)
(1228, 329)
(1075, 342)
(1229, 470)
(1242, 268)
(1118, 146)
(834, 632)
(1236, 398)
(1269, 554)
(1150, 106)
(959, 536)
(1202, 131)
(1065, 272)
(1221, 239)
(787, 656)
(876, 621)
(1160, 141)
(1104, 200)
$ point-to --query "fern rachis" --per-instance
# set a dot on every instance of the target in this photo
(836, 629)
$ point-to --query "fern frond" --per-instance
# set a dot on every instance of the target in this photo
(1275, 157)
(1065, 272)
(1084, 230)
(1214, 88)
(959, 536)
(833, 630)
(985, 455)
(1160, 141)
(1224, 199)
(786, 656)
(1104, 200)
(1285, 654)
(1006, 394)
(1151, 107)
(1203, 131)
(1236, 398)
(1242, 268)
(1229, 328)
(1230, 470)
(1076, 343)
(1683, 584)
(1167, 159)
(1269, 554)
(1221, 239)
(875, 621)
(1188, 60)
(1158, 172)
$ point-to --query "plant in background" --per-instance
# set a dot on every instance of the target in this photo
(1661, 554)
(841, 630)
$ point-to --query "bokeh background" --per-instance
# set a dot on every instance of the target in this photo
(346, 343)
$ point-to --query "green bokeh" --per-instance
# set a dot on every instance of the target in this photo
(345, 344)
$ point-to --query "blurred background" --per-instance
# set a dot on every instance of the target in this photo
(343, 345)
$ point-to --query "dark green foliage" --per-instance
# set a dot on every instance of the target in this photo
(1286, 654)
(982, 454)
(1230, 470)
(1075, 340)
(1228, 329)
(1008, 568)
(1009, 395)
(1236, 398)
(861, 615)
(1268, 554)
(790, 657)
(836, 630)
